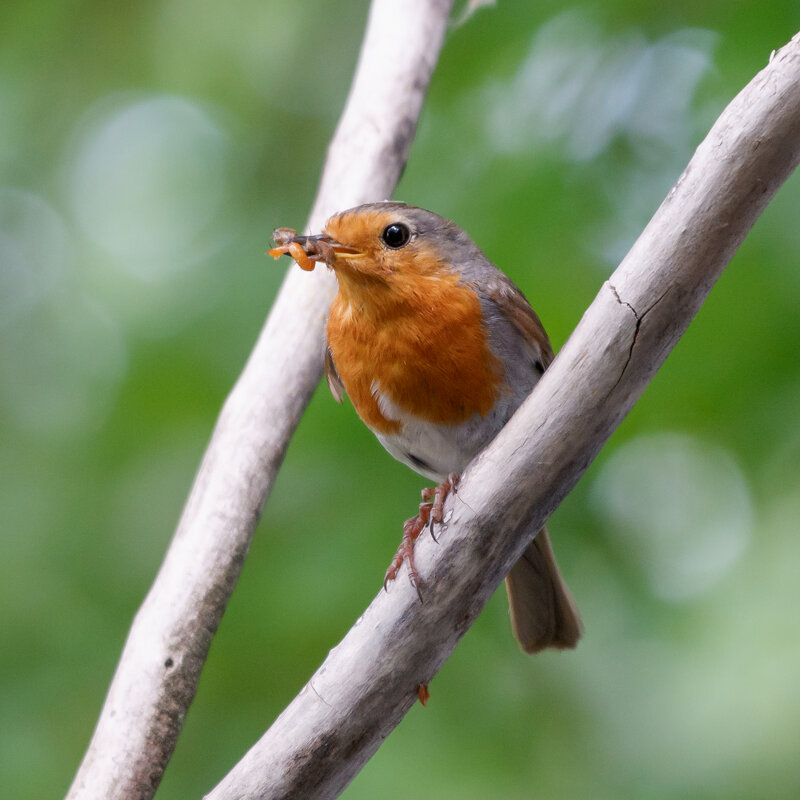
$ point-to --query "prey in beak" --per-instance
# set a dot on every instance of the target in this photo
(308, 250)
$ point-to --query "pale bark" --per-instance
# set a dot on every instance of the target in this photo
(157, 675)
(370, 679)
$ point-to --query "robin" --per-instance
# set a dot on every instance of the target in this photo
(436, 349)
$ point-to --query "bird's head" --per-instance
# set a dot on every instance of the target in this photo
(383, 244)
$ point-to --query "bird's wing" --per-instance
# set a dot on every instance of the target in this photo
(332, 376)
(517, 310)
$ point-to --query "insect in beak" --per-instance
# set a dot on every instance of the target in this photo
(308, 250)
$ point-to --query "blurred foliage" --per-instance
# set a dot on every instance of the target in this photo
(146, 152)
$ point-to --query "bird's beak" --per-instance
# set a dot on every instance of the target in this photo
(325, 245)
(307, 250)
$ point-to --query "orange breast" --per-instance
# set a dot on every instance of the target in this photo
(424, 346)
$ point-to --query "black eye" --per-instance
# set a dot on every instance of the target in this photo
(396, 235)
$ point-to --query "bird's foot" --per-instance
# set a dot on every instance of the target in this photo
(412, 528)
(430, 513)
(437, 495)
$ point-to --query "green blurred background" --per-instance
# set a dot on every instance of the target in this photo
(147, 150)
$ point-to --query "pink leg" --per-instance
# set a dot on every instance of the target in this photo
(430, 513)
(412, 528)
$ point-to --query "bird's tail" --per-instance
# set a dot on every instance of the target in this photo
(543, 613)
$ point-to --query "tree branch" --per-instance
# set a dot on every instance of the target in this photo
(369, 681)
(157, 676)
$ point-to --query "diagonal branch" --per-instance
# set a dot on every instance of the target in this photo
(157, 676)
(369, 681)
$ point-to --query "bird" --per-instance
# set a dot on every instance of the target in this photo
(436, 348)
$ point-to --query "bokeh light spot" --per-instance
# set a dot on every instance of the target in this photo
(147, 181)
(34, 251)
(680, 506)
(60, 369)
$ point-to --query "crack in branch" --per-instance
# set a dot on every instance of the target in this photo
(633, 340)
(639, 319)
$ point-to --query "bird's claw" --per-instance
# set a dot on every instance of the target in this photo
(431, 513)
(437, 495)
(412, 528)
